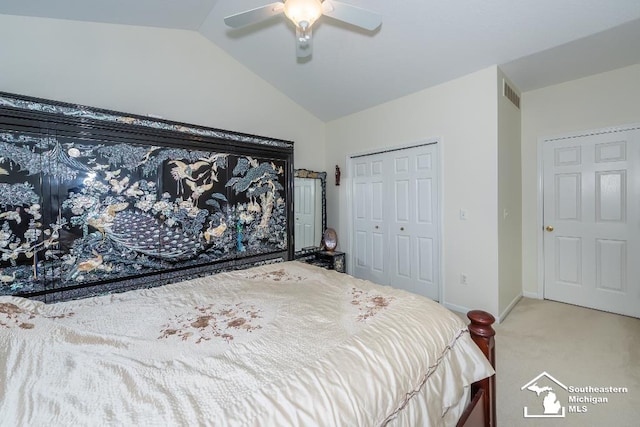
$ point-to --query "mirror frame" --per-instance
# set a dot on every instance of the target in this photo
(322, 176)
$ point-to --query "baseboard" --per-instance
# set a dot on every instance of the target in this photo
(464, 310)
(456, 308)
(506, 311)
(499, 319)
(533, 295)
(502, 316)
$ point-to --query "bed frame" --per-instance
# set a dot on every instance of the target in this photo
(29, 126)
(481, 410)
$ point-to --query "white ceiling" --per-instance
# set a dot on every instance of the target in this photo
(421, 43)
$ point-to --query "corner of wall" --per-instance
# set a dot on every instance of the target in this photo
(509, 193)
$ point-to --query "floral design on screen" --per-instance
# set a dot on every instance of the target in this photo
(223, 321)
(79, 211)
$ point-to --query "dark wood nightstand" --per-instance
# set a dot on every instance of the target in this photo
(331, 260)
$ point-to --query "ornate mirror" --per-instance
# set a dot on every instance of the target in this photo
(310, 209)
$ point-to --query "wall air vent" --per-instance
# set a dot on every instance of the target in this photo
(511, 94)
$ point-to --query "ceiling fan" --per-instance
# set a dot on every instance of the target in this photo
(303, 13)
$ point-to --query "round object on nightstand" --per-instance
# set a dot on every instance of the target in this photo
(330, 239)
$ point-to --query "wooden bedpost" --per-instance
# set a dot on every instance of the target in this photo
(482, 334)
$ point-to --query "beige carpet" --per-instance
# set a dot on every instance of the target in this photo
(576, 346)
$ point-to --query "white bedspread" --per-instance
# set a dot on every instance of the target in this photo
(277, 345)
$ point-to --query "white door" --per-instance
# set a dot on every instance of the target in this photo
(370, 250)
(592, 221)
(413, 234)
(395, 219)
(304, 200)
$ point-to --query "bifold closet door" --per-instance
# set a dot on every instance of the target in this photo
(412, 229)
(370, 247)
(395, 218)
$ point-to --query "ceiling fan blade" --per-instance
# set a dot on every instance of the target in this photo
(254, 16)
(303, 42)
(351, 15)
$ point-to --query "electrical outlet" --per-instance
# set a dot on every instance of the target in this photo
(464, 279)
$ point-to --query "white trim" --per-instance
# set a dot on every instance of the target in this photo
(532, 295)
(499, 319)
(348, 181)
(442, 289)
(540, 214)
(507, 310)
(457, 308)
(540, 208)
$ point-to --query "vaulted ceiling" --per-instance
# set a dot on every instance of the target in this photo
(421, 43)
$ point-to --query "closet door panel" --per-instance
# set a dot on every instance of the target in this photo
(378, 247)
(414, 195)
(401, 211)
(426, 221)
(425, 252)
(424, 201)
(402, 252)
(370, 205)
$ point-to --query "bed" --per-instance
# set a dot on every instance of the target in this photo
(147, 278)
(280, 344)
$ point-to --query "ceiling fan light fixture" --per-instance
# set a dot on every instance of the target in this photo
(303, 12)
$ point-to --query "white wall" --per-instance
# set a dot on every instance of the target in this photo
(176, 74)
(602, 100)
(181, 76)
(463, 114)
(509, 200)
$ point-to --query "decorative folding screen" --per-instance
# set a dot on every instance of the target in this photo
(93, 201)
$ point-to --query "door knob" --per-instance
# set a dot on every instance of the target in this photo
(401, 228)
(549, 228)
(377, 227)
